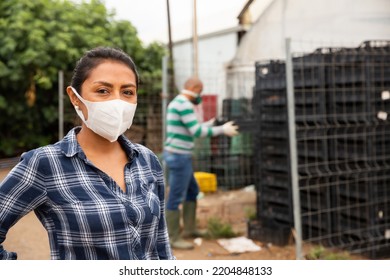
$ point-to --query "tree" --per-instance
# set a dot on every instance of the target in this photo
(37, 39)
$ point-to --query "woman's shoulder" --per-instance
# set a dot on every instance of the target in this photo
(139, 148)
(42, 152)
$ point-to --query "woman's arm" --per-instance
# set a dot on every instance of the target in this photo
(21, 191)
(163, 246)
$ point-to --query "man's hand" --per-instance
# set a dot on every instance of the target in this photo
(229, 129)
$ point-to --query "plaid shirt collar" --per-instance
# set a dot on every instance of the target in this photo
(70, 146)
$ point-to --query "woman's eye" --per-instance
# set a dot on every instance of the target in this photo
(102, 91)
(129, 92)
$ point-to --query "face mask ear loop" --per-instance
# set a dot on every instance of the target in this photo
(78, 95)
(193, 94)
(77, 108)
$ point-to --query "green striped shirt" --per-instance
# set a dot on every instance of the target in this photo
(183, 126)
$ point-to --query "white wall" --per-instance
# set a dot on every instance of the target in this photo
(214, 52)
(311, 24)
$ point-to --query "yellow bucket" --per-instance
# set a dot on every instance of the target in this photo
(207, 182)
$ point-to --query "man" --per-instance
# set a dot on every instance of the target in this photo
(182, 128)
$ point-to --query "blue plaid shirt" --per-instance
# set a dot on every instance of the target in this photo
(86, 214)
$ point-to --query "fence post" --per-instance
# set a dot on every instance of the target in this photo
(60, 104)
(164, 102)
(293, 150)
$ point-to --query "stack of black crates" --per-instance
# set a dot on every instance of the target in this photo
(229, 158)
(342, 98)
(232, 157)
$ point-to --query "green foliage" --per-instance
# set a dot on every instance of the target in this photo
(250, 213)
(3, 102)
(217, 229)
(320, 253)
(37, 39)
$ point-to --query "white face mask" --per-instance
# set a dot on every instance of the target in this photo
(109, 119)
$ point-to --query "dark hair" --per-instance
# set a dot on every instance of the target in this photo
(96, 56)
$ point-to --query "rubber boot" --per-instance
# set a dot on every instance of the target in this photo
(189, 221)
(173, 223)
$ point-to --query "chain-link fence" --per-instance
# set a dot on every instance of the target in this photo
(341, 101)
(147, 127)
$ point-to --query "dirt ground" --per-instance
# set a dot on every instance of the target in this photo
(29, 239)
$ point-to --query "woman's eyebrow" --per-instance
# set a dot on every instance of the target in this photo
(107, 84)
(104, 83)
(128, 85)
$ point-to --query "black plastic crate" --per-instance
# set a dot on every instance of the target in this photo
(274, 195)
(346, 74)
(304, 113)
(308, 74)
(276, 211)
(316, 225)
(309, 166)
(270, 75)
(348, 166)
(349, 149)
(313, 149)
(351, 143)
(269, 146)
(356, 241)
(360, 214)
(364, 186)
(247, 124)
(302, 97)
(371, 243)
(279, 163)
(377, 72)
(375, 46)
(359, 66)
(264, 97)
(355, 186)
(312, 133)
(273, 130)
(353, 218)
(379, 249)
(236, 108)
(315, 234)
(357, 113)
(376, 108)
(274, 179)
(273, 114)
(277, 234)
(316, 193)
(233, 172)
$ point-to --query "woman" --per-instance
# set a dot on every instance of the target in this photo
(98, 195)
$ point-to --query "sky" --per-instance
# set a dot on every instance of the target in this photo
(150, 19)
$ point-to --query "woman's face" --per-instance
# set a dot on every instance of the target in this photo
(109, 80)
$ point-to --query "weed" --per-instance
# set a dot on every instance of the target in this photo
(217, 229)
(250, 213)
(320, 253)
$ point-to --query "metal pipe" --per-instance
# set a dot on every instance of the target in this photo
(60, 104)
(164, 103)
(195, 41)
(293, 150)
(171, 86)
